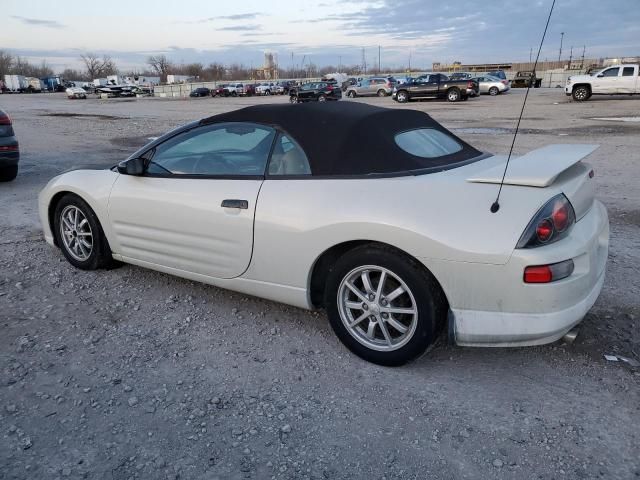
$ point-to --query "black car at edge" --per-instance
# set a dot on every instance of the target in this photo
(315, 92)
(9, 149)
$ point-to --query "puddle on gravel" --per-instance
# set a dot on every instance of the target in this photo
(83, 115)
(617, 119)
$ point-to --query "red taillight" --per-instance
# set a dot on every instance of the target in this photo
(470, 85)
(9, 148)
(329, 87)
(548, 273)
(541, 274)
(560, 217)
(5, 119)
(552, 223)
(544, 230)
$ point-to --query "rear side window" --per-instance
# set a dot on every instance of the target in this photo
(427, 143)
(627, 71)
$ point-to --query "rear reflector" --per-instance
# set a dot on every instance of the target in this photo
(548, 273)
(5, 120)
(8, 148)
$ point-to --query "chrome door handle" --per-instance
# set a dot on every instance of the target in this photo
(233, 203)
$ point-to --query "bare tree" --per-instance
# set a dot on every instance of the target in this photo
(98, 67)
(161, 65)
(6, 62)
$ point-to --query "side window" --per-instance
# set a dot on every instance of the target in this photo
(288, 158)
(612, 72)
(224, 149)
(628, 71)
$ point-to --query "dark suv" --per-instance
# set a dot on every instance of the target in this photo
(315, 92)
(200, 92)
(9, 149)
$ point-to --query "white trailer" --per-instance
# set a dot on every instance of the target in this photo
(99, 82)
(15, 83)
(178, 78)
(35, 84)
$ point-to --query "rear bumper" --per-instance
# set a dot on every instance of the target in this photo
(536, 314)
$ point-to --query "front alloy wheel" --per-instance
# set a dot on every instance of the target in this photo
(322, 98)
(580, 94)
(76, 234)
(402, 97)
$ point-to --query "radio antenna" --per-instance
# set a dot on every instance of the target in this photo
(495, 206)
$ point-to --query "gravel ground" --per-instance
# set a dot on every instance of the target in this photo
(130, 373)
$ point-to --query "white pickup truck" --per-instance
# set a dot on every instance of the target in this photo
(616, 80)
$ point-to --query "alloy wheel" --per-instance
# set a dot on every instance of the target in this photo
(377, 308)
(76, 233)
(402, 97)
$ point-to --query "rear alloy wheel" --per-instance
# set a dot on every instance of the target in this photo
(382, 93)
(8, 173)
(383, 306)
(402, 97)
(268, 92)
(293, 99)
(453, 95)
(79, 234)
(580, 94)
(493, 91)
(351, 94)
(322, 98)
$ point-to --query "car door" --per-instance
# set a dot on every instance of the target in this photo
(627, 80)
(420, 87)
(606, 81)
(306, 91)
(193, 208)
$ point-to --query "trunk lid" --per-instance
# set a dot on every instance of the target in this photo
(557, 165)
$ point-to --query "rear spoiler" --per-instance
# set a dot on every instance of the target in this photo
(538, 168)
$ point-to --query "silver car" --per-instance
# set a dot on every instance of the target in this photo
(492, 85)
(379, 86)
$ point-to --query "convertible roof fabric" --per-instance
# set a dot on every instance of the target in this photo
(349, 138)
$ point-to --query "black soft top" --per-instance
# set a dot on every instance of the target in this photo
(349, 138)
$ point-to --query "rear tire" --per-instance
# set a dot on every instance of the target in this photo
(351, 94)
(94, 251)
(294, 99)
(393, 338)
(453, 95)
(382, 93)
(8, 174)
(493, 91)
(322, 98)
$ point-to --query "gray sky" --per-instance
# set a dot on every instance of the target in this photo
(324, 31)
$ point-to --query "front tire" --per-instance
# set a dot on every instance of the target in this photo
(581, 93)
(382, 93)
(384, 306)
(322, 98)
(294, 99)
(351, 94)
(402, 97)
(79, 234)
(8, 174)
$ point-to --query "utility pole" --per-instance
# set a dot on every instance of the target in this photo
(531, 55)
(339, 63)
(409, 61)
(379, 65)
(584, 47)
(561, 38)
(364, 62)
(570, 57)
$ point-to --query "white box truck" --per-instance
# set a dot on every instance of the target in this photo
(178, 78)
(15, 83)
(34, 85)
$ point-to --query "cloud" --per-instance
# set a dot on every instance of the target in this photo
(236, 17)
(39, 22)
(240, 28)
(241, 16)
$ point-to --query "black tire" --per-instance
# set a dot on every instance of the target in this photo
(493, 91)
(402, 96)
(294, 99)
(381, 93)
(8, 173)
(234, 94)
(351, 94)
(453, 95)
(322, 98)
(100, 256)
(581, 93)
(430, 302)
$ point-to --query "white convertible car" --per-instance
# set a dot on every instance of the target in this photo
(380, 216)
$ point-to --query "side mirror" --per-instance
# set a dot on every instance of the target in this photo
(135, 166)
(601, 75)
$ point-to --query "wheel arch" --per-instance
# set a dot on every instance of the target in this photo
(586, 85)
(322, 266)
